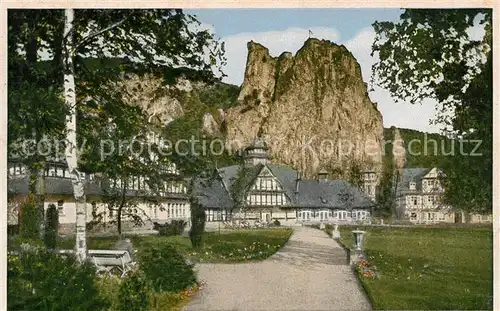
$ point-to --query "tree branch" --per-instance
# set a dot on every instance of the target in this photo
(95, 34)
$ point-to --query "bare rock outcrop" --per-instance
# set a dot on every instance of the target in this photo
(312, 109)
(149, 93)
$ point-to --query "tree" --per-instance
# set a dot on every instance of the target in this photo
(385, 195)
(151, 36)
(144, 39)
(35, 109)
(429, 54)
(51, 227)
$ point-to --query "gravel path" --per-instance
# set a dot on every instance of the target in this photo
(308, 273)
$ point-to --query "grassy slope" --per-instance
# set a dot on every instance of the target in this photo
(429, 268)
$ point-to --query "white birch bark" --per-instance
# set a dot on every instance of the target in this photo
(71, 143)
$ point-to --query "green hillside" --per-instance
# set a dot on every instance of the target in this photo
(422, 149)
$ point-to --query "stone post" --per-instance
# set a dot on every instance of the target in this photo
(335, 232)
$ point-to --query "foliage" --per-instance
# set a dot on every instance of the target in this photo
(430, 54)
(198, 218)
(468, 179)
(241, 182)
(386, 195)
(355, 175)
(51, 226)
(166, 268)
(277, 223)
(28, 219)
(134, 292)
(41, 280)
(443, 267)
(423, 150)
(175, 227)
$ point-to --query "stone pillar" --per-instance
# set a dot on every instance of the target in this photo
(335, 232)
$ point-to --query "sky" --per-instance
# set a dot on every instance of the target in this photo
(286, 30)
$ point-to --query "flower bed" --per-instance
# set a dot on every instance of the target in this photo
(366, 270)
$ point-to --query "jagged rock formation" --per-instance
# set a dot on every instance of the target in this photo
(310, 108)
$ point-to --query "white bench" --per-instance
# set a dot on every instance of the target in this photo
(107, 261)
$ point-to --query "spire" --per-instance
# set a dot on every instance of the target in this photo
(257, 152)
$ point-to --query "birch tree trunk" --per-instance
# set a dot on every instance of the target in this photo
(71, 143)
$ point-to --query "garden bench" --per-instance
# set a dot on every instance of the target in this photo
(108, 261)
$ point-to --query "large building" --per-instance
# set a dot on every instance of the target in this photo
(419, 198)
(169, 203)
(258, 190)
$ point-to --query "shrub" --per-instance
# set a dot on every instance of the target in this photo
(197, 225)
(28, 219)
(42, 280)
(175, 227)
(166, 268)
(51, 224)
(277, 222)
(134, 292)
(328, 227)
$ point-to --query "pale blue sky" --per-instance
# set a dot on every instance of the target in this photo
(347, 21)
(286, 30)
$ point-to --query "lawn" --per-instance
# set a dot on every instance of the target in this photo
(223, 247)
(428, 267)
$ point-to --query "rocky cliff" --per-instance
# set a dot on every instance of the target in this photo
(312, 109)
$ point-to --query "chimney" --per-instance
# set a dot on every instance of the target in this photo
(297, 181)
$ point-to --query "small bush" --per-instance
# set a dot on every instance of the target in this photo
(166, 268)
(51, 224)
(175, 227)
(328, 227)
(134, 292)
(41, 280)
(28, 219)
(277, 223)
(197, 225)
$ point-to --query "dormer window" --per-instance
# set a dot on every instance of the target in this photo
(413, 185)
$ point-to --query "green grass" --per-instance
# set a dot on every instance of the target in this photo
(228, 246)
(428, 267)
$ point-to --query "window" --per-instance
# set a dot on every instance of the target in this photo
(430, 216)
(60, 207)
(413, 200)
(412, 185)
(330, 213)
(413, 216)
(441, 216)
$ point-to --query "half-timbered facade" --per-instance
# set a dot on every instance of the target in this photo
(167, 203)
(261, 191)
(419, 194)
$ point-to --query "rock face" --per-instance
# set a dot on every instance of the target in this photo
(312, 109)
(144, 92)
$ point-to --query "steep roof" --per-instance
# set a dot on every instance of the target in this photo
(411, 174)
(212, 193)
(64, 186)
(331, 194)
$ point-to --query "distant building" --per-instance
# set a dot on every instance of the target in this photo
(419, 198)
(172, 200)
(257, 190)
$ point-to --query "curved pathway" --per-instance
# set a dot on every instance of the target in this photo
(308, 273)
